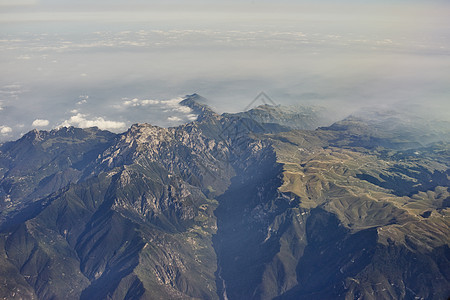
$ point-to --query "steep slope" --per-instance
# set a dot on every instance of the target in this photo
(136, 222)
(293, 117)
(391, 129)
(41, 163)
(406, 230)
(227, 207)
(139, 216)
(326, 232)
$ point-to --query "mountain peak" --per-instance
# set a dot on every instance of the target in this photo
(34, 135)
(154, 212)
(198, 105)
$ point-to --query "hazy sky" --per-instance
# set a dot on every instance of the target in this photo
(114, 63)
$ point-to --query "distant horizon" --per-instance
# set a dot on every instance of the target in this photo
(78, 121)
(79, 62)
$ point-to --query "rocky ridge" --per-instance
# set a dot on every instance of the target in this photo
(226, 207)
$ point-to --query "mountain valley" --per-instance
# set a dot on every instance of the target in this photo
(263, 204)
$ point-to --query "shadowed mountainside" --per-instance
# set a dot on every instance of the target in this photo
(232, 206)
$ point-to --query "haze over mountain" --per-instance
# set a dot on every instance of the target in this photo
(77, 62)
(333, 183)
(228, 207)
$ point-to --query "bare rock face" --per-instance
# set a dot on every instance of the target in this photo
(233, 206)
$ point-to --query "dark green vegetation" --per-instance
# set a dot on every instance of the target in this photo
(233, 206)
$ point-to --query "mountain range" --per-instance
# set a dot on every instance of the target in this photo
(262, 204)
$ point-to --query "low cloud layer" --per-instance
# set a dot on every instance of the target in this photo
(83, 121)
(5, 130)
(171, 108)
(40, 123)
(112, 68)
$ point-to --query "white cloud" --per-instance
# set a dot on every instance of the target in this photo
(25, 57)
(165, 105)
(171, 108)
(192, 117)
(5, 130)
(11, 91)
(137, 102)
(134, 102)
(83, 99)
(81, 120)
(183, 109)
(150, 102)
(174, 119)
(12, 86)
(172, 103)
(40, 123)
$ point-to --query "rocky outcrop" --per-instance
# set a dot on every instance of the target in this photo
(233, 206)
